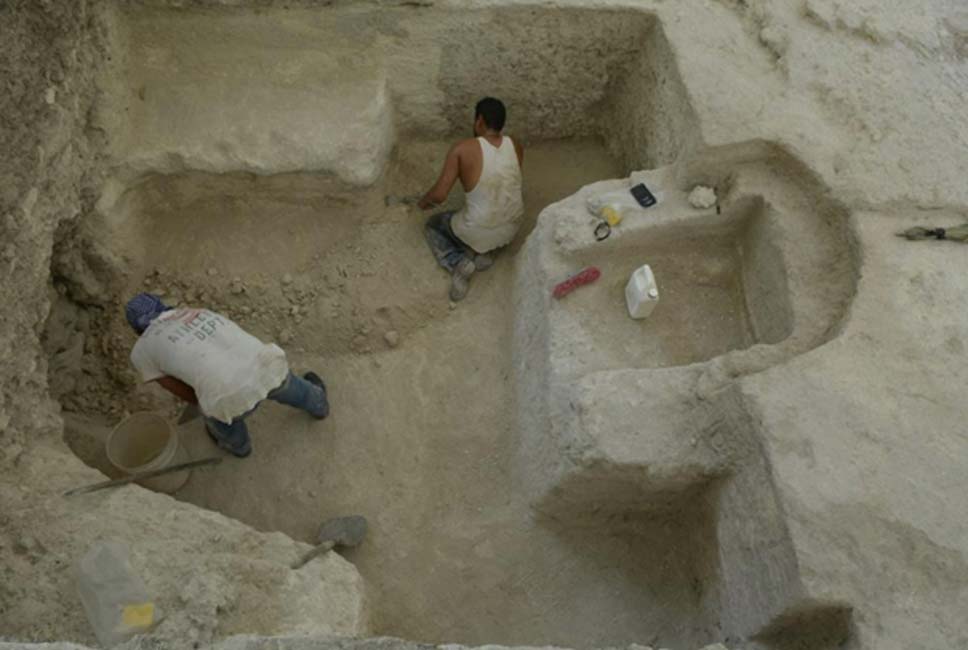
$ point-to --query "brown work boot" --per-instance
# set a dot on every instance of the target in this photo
(460, 279)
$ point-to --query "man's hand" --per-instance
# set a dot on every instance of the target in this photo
(448, 176)
(179, 389)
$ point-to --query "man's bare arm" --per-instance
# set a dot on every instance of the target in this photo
(519, 149)
(178, 388)
(448, 176)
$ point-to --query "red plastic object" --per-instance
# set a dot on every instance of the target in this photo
(583, 277)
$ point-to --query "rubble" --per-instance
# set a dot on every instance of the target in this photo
(702, 197)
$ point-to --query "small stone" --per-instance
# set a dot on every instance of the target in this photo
(452, 306)
(285, 336)
(702, 197)
(287, 279)
(294, 310)
(213, 271)
(51, 95)
(246, 309)
(392, 338)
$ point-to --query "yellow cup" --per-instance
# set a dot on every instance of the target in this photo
(611, 215)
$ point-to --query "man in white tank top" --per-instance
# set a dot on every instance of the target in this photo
(489, 168)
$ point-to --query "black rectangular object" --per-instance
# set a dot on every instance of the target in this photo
(643, 196)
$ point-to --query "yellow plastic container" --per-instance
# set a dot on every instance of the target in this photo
(612, 214)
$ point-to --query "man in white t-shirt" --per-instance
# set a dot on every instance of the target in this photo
(204, 358)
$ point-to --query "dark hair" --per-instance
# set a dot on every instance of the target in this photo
(493, 112)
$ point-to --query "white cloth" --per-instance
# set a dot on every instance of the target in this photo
(494, 209)
(230, 370)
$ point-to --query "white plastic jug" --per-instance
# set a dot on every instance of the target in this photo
(641, 293)
(114, 597)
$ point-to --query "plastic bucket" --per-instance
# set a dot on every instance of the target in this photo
(143, 442)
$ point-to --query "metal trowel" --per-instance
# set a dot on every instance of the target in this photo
(340, 532)
(190, 413)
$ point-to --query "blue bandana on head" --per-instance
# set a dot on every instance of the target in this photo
(142, 309)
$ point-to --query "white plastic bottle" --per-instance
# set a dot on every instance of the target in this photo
(114, 597)
(641, 292)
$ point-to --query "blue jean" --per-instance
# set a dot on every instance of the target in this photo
(294, 391)
(444, 244)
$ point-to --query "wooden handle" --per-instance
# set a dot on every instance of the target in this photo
(214, 460)
(319, 550)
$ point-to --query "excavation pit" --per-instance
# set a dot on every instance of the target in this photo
(769, 487)
(413, 442)
(722, 287)
(701, 312)
(252, 154)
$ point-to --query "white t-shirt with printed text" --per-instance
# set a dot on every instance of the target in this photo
(230, 370)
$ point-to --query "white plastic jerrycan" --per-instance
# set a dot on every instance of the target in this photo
(114, 597)
(641, 293)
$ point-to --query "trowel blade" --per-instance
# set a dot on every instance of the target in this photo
(344, 532)
(190, 413)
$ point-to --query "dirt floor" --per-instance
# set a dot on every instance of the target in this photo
(700, 292)
(421, 430)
